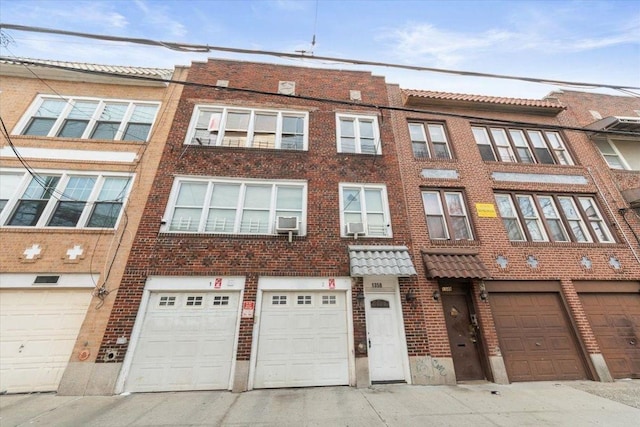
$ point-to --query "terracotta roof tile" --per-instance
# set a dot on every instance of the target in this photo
(460, 97)
(454, 266)
(162, 73)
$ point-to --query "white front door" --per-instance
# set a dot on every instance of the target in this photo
(303, 340)
(186, 342)
(386, 352)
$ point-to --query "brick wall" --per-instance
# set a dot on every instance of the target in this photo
(322, 252)
(105, 251)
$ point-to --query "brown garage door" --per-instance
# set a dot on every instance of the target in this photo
(535, 337)
(615, 321)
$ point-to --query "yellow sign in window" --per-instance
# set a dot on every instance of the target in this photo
(486, 210)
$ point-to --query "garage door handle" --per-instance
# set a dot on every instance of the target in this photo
(369, 341)
(538, 344)
(632, 341)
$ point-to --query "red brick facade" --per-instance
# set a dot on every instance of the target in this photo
(322, 252)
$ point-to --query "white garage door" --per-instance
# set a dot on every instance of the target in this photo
(303, 340)
(186, 342)
(38, 329)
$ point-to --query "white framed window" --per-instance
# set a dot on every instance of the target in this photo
(279, 300)
(552, 218)
(220, 300)
(446, 213)
(63, 199)
(194, 300)
(167, 301)
(620, 153)
(365, 204)
(521, 145)
(358, 134)
(229, 206)
(244, 127)
(429, 140)
(303, 300)
(88, 118)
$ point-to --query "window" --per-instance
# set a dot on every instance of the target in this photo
(358, 134)
(429, 140)
(234, 207)
(329, 300)
(304, 299)
(521, 145)
(194, 301)
(552, 218)
(167, 301)
(74, 117)
(367, 205)
(240, 127)
(279, 300)
(62, 200)
(220, 300)
(619, 153)
(447, 217)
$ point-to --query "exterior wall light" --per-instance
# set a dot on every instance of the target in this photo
(483, 292)
(410, 297)
(436, 295)
(360, 299)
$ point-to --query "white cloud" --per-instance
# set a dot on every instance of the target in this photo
(444, 48)
(159, 17)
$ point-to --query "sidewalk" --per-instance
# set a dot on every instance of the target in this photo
(581, 403)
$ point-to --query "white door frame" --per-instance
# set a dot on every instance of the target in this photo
(340, 284)
(388, 285)
(180, 284)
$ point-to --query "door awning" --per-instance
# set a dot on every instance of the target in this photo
(380, 261)
(454, 266)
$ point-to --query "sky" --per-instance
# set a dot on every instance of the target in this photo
(577, 41)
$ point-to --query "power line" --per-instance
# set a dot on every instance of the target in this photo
(325, 100)
(199, 48)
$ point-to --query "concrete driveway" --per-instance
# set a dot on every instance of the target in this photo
(581, 403)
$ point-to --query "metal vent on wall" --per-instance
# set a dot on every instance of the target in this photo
(49, 280)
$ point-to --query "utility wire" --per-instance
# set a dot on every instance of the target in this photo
(200, 48)
(326, 100)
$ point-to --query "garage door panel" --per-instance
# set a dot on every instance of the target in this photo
(38, 329)
(537, 342)
(186, 342)
(615, 322)
(302, 340)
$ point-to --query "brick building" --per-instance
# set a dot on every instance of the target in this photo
(529, 253)
(88, 146)
(274, 249)
(308, 227)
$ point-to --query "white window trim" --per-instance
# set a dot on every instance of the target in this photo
(50, 207)
(358, 147)
(617, 152)
(70, 100)
(168, 214)
(250, 130)
(385, 207)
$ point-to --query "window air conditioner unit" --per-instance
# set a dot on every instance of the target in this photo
(355, 228)
(286, 224)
